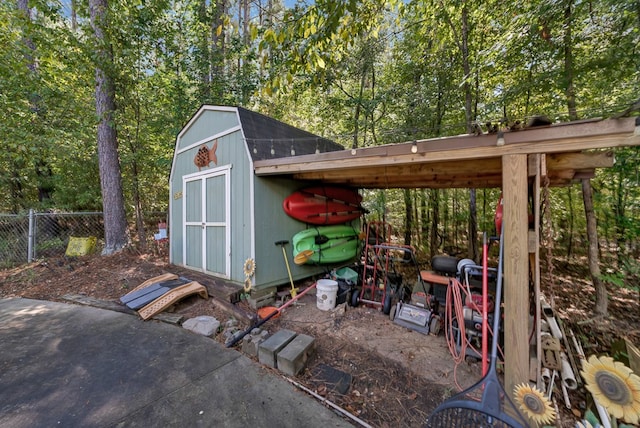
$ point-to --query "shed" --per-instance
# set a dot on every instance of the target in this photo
(220, 213)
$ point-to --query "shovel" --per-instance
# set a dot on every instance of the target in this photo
(294, 290)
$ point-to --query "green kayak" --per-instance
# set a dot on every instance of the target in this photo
(325, 244)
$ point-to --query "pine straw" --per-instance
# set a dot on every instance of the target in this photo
(383, 392)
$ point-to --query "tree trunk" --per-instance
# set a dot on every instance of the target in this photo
(594, 260)
(408, 216)
(619, 208)
(473, 226)
(424, 218)
(568, 61)
(435, 210)
(42, 168)
(115, 222)
(472, 244)
(571, 222)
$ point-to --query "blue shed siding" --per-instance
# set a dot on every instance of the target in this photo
(256, 219)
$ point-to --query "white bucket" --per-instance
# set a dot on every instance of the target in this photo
(326, 292)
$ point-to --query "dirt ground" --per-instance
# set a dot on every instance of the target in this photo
(398, 376)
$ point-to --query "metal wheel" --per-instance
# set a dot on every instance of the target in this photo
(392, 312)
(386, 306)
(355, 297)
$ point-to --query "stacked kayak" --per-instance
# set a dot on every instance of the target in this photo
(325, 244)
(324, 205)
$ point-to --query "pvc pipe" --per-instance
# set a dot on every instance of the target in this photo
(553, 324)
(565, 395)
(566, 372)
(604, 415)
(577, 346)
(546, 375)
(553, 379)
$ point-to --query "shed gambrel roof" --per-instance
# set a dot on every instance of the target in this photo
(263, 133)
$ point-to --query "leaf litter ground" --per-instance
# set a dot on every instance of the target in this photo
(398, 376)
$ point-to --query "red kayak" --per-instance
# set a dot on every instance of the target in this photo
(324, 205)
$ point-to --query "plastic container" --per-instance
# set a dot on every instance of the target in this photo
(344, 290)
(326, 292)
(347, 274)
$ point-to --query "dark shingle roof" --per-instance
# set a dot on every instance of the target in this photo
(264, 133)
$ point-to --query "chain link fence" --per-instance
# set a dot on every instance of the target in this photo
(14, 242)
(26, 237)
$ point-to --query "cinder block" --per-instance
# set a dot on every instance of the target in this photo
(293, 358)
(268, 349)
(251, 343)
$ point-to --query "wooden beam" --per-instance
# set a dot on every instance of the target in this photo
(555, 139)
(516, 273)
(381, 182)
(558, 161)
(484, 173)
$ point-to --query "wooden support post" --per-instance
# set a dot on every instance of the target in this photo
(516, 270)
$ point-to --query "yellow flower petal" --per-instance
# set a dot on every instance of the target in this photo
(603, 399)
(634, 382)
(614, 386)
(615, 410)
(623, 370)
(534, 404)
(630, 416)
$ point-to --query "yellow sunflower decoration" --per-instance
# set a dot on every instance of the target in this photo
(613, 385)
(247, 284)
(249, 267)
(534, 404)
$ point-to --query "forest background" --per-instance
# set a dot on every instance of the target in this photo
(89, 86)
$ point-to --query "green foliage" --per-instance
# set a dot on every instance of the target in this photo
(362, 72)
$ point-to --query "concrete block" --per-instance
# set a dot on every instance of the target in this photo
(204, 325)
(250, 344)
(268, 349)
(293, 358)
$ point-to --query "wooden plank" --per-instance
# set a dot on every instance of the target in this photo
(459, 155)
(516, 275)
(563, 169)
(590, 160)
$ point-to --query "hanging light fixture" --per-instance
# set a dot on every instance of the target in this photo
(414, 147)
(273, 151)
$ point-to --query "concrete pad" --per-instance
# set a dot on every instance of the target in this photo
(75, 366)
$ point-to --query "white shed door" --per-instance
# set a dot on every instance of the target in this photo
(207, 234)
